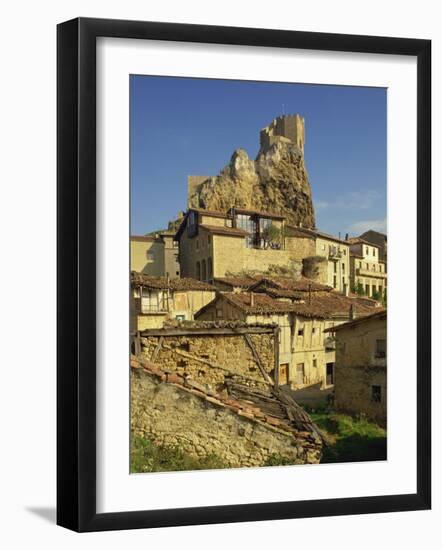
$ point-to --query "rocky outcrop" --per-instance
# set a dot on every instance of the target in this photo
(277, 182)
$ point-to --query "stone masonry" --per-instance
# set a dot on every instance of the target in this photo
(173, 412)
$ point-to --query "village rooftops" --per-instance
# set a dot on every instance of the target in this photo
(378, 315)
(322, 306)
(290, 284)
(163, 283)
(313, 233)
(237, 282)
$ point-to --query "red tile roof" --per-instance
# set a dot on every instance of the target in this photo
(229, 231)
(380, 315)
(162, 283)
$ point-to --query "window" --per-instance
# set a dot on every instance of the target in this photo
(335, 284)
(301, 332)
(315, 363)
(381, 349)
(150, 256)
(180, 317)
(366, 250)
(197, 244)
(203, 270)
(219, 313)
(198, 271)
(343, 268)
(376, 394)
(374, 251)
(335, 267)
(209, 269)
(323, 247)
(314, 330)
(208, 239)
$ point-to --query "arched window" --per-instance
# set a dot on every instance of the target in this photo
(198, 271)
(209, 269)
(203, 271)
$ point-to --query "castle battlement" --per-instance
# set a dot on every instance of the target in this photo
(282, 128)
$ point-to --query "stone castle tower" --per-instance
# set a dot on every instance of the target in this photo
(284, 128)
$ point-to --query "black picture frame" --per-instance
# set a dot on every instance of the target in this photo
(76, 274)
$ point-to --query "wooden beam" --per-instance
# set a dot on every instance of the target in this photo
(157, 349)
(276, 349)
(206, 331)
(257, 359)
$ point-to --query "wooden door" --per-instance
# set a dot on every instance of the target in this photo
(300, 373)
(283, 374)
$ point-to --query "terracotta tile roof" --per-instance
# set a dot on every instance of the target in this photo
(144, 238)
(213, 213)
(301, 284)
(358, 240)
(242, 282)
(274, 408)
(321, 305)
(230, 231)
(162, 283)
(304, 231)
(381, 315)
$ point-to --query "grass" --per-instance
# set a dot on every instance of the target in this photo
(148, 457)
(350, 439)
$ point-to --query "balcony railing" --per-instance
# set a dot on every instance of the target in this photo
(370, 273)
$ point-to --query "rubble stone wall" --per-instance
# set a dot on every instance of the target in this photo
(209, 359)
(169, 415)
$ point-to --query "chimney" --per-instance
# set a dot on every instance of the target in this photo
(346, 236)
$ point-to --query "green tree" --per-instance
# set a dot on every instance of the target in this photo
(359, 289)
(271, 234)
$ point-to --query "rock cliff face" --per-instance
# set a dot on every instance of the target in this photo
(277, 182)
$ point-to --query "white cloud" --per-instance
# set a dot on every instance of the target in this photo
(361, 227)
(355, 200)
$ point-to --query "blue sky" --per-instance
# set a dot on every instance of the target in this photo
(186, 126)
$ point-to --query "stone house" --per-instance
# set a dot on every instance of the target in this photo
(155, 255)
(334, 270)
(367, 271)
(213, 244)
(379, 239)
(306, 354)
(157, 299)
(361, 366)
(213, 352)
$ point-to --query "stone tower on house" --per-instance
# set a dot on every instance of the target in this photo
(276, 181)
(286, 128)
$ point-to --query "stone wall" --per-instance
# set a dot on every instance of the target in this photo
(201, 425)
(316, 269)
(353, 391)
(210, 359)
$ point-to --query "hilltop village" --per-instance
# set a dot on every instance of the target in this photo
(242, 309)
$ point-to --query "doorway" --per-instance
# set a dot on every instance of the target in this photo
(329, 374)
(299, 374)
(283, 374)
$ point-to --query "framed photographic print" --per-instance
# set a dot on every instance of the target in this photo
(225, 197)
